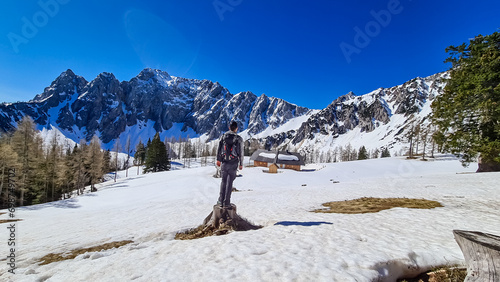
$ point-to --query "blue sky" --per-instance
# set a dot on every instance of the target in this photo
(307, 53)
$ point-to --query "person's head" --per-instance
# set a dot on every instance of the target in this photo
(233, 126)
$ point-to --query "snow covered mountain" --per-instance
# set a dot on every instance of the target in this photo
(381, 118)
(151, 102)
(154, 101)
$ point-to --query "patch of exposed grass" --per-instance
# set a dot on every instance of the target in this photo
(9, 220)
(372, 205)
(200, 232)
(50, 258)
(440, 274)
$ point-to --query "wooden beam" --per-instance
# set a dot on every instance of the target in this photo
(482, 255)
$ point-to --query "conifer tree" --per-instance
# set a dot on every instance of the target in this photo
(156, 156)
(65, 175)
(94, 158)
(140, 155)
(386, 153)
(106, 165)
(80, 170)
(362, 154)
(128, 151)
(468, 112)
(8, 164)
(116, 150)
(24, 143)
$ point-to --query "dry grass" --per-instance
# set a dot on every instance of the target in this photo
(9, 220)
(50, 258)
(372, 205)
(440, 274)
(200, 232)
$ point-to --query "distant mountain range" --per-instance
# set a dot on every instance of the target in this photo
(154, 101)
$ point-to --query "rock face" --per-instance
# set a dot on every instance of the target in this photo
(408, 103)
(109, 108)
(154, 101)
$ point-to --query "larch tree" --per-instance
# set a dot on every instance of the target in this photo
(116, 150)
(24, 143)
(94, 158)
(128, 151)
(8, 161)
(140, 155)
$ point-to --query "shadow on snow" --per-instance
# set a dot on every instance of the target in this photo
(298, 223)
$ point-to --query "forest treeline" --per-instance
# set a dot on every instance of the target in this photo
(35, 171)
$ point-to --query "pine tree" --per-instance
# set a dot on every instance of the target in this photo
(386, 153)
(362, 154)
(106, 162)
(468, 112)
(156, 156)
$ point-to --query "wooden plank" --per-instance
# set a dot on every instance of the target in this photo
(482, 255)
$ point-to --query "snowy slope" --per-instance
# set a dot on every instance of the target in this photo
(294, 245)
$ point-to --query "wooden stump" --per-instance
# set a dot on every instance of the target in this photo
(219, 222)
(227, 218)
(482, 255)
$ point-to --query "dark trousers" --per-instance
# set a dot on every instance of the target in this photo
(228, 173)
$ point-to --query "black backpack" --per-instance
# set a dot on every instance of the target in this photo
(229, 147)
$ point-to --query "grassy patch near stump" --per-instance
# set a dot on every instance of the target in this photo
(372, 205)
(50, 258)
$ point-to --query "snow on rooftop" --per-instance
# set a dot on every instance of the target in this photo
(282, 157)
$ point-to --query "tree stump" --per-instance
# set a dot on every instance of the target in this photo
(487, 166)
(219, 222)
(482, 255)
(226, 218)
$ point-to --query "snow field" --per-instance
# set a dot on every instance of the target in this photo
(294, 245)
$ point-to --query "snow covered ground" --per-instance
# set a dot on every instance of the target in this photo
(294, 245)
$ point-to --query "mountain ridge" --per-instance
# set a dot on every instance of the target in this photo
(155, 101)
(111, 109)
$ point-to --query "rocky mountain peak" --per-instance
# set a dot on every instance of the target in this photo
(65, 85)
(149, 73)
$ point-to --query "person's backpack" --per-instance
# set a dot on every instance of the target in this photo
(229, 147)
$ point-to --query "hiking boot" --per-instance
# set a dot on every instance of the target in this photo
(219, 204)
(228, 206)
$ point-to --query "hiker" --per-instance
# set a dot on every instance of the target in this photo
(230, 154)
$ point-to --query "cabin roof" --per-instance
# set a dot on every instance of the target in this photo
(283, 157)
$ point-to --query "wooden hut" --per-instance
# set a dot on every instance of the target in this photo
(282, 159)
(273, 168)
